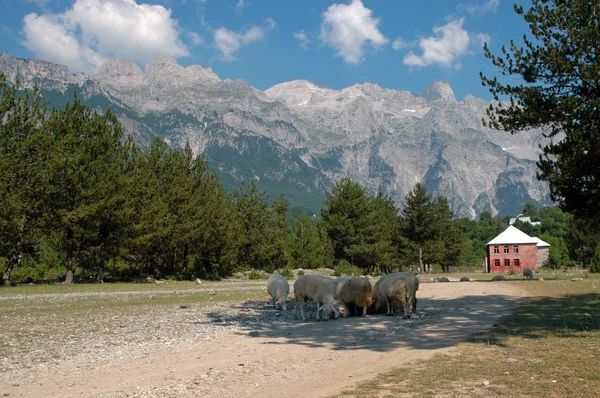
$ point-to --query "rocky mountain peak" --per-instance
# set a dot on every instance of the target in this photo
(116, 68)
(162, 64)
(439, 91)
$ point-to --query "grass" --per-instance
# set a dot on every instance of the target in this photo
(547, 348)
(125, 297)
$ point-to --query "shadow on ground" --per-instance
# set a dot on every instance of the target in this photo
(566, 316)
(440, 323)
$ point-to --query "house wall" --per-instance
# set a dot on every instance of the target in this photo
(527, 255)
(543, 257)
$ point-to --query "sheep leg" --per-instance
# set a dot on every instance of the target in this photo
(406, 310)
(302, 308)
(389, 313)
(364, 310)
(274, 305)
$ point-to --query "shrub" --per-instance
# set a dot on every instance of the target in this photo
(286, 273)
(254, 275)
(301, 272)
(512, 272)
(345, 268)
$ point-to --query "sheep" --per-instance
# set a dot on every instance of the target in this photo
(528, 273)
(278, 287)
(319, 289)
(393, 287)
(338, 283)
(357, 291)
(399, 286)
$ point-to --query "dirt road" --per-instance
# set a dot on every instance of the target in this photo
(247, 350)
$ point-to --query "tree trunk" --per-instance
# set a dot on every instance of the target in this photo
(421, 266)
(69, 276)
(101, 265)
(13, 260)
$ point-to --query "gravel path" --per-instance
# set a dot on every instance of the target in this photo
(225, 349)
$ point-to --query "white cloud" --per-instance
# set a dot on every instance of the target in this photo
(196, 38)
(448, 44)
(92, 31)
(399, 44)
(480, 39)
(488, 6)
(303, 39)
(347, 27)
(229, 42)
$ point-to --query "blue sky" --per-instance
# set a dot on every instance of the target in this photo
(397, 44)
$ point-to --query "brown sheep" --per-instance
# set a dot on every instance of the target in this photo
(357, 292)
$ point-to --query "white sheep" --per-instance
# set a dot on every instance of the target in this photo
(357, 292)
(399, 286)
(338, 283)
(279, 288)
(319, 289)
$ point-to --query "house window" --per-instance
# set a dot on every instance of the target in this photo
(496, 263)
(515, 249)
(496, 249)
(507, 263)
(506, 249)
(517, 262)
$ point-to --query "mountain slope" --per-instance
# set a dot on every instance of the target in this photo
(299, 138)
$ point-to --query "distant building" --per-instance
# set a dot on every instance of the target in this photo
(524, 219)
(515, 250)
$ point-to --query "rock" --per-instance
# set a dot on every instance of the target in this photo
(540, 279)
(184, 306)
(159, 282)
(587, 316)
(254, 333)
(465, 279)
(498, 278)
(150, 297)
(576, 279)
(486, 383)
(212, 293)
(277, 314)
(441, 279)
(198, 281)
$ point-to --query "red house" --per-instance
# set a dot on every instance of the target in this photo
(515, 250)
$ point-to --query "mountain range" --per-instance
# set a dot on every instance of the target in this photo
(299, 138)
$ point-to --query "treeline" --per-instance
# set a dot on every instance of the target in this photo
(77, 196)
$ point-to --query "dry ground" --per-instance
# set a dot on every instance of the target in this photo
(221, 340)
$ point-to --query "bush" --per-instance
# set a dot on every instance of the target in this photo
(254, 275)
(512, 272)
(345, 268)
(301, 272)
(286, 273)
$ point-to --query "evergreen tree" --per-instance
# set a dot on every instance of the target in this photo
(264, 229)
(343, 214)
(310, 246)
(421, 220)
(23, 176)
(558, 68)
(87, 160)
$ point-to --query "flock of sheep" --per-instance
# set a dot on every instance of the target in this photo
(345, 296)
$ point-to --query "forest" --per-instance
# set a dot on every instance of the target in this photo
(80, 201)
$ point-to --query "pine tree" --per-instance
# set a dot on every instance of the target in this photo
(86, 164)
(23, 176)
(310, 246)
(557, 90)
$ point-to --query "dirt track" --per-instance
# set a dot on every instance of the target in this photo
(244, 350)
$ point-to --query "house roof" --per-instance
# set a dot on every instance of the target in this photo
(513, 235)
(541, 243)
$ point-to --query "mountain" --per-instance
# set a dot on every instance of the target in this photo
(299, 138)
